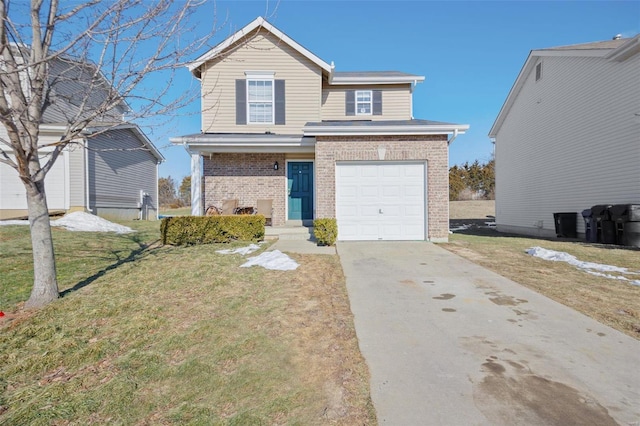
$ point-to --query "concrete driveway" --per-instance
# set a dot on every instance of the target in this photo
(448, 342)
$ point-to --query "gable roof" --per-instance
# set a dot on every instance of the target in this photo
(610, 50)
(133, 128)
(259, 22)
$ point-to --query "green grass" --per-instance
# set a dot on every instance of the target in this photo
(612, 302)
(146, 334)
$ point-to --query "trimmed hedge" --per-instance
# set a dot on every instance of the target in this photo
(325, 231)
(190, 230)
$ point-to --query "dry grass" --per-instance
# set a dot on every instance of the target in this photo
(473, 209)
(612, 302)
(178, 335)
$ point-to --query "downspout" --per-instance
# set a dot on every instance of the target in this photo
(86, 175)
(455, 135)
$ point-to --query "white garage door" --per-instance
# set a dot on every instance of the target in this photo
(13, 195)
(381, 201)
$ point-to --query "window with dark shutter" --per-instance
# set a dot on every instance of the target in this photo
(241, 101)
(280, 111)
(350, 102)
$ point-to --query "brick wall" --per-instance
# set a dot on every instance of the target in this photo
(247, 178)
(432, 149)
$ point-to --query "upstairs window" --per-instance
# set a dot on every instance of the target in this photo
(364, 100)
(539, 71)
(260, 101)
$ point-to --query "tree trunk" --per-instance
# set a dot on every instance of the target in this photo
(45, 283)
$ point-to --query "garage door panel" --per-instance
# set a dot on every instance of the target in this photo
(389, 199)
(368, 172)
(369, 191)
(14, 196)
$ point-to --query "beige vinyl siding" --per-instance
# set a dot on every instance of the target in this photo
(263, 52)
(396, 102)
(570, 141)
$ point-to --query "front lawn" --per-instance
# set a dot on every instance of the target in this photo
(147, 334)
(613, 302)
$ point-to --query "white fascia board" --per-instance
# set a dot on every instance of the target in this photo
(385, 130)
(343, 81)
(238, 35)
(236, 149)
(283, 144)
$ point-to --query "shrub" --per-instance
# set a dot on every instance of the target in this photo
(190, 230)
(325, 231)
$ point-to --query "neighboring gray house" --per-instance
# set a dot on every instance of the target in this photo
(568, 135)
(112, 169)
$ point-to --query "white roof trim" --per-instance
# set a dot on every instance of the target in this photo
(204, 143)
(384, 130)
(238, 35)
(337, 80)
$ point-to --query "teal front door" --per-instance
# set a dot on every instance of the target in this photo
(300, 187)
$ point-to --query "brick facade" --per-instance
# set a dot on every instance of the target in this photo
(247, 178)
(431, 149)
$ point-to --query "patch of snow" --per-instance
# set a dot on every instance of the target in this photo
(14, 222)
(460, 228)
(80, 221)
(598, 269)
(240, 250)
(85, 222)
(275, 260)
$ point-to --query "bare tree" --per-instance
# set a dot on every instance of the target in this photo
(81, 64)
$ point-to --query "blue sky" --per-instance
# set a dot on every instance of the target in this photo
(469, 51)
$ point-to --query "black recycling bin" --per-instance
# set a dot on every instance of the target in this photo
(627, 222)
(605, 228)
(590, 231)
(566, 224)
(619, 216)
(631, 234)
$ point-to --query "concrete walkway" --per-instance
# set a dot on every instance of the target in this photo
(450, 343)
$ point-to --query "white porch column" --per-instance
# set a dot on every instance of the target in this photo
(197, 208)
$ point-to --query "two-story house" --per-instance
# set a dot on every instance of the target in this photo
(110, 169)
(568, 135)
(281, 124)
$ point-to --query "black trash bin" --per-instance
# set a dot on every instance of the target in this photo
(619, 216)
(590, 234)
(631, 234)
(566, 224)
(605, 227)
(627, 220)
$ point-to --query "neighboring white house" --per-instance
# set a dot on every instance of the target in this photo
(568, 135)
(112, 169)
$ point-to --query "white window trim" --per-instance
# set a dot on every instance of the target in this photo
(370, 102)
(261, 76)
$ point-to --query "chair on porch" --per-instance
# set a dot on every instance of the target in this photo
(229, 207)
(265, 208)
